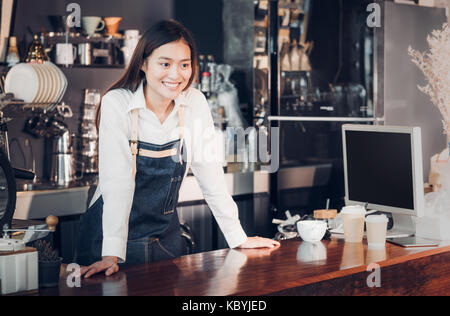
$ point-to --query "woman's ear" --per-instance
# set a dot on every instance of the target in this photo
(144, 66)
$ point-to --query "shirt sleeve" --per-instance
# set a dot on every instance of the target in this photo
(115, 175)
(210, 176)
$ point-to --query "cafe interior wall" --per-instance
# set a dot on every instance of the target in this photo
(30, 17)
(224, 29)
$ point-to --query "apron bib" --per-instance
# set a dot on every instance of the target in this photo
(154, 231)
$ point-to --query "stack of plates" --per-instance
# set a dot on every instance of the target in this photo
(36, 83)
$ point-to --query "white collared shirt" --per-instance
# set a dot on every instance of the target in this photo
(116, 181)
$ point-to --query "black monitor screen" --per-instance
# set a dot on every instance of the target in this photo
(379, 168)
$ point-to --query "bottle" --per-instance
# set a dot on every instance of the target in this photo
(206, 83)
(201, 67)
(221, 118)
(285, 58)
(214, 109)
(260, 42)
(211, 68)
(201, 63)
(13, 53)
(295, 57)
(199, 71)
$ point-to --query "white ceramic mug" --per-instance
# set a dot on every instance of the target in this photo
(127, 53)
(131, 34)
(311, 231)
(65, 53)
(90, 24)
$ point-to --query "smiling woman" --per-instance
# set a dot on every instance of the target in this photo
(144, 157)
(159, 39)
(168, 71)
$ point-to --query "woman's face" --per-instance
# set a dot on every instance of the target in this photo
(168, 70)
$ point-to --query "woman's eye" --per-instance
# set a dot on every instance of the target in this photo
(165, 65)
(185, 66)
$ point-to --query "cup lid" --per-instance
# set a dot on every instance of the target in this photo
(377, 219)
(353, 209)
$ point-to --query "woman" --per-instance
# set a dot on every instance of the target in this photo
(144, 155)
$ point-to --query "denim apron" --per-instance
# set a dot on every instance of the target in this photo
(154, 232)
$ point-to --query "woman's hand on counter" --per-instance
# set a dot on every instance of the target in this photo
(255, 253)
(259, 242)
(108, 263)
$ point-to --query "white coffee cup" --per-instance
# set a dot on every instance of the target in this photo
(353, 220)
(127, 53)
(90, 24)
(65, 53)
(311, 231)
(128, 49)
(131, 34)
(376, 231)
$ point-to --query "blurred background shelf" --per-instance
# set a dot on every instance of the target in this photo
(76, 66)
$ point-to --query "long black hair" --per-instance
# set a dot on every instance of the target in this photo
(159, 34)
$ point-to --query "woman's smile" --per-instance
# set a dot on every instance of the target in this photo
(172, 85)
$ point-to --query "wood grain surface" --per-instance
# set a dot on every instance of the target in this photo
(296, 268)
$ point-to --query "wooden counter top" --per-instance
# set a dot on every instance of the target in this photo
(296, 268)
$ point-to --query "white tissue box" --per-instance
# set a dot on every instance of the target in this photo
(19, 271)
(433, 227)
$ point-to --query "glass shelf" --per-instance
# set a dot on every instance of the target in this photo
(94, 66)
(4, 68)
(76, 38)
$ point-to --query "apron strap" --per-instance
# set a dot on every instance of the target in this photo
(134, 134)
(134, 137)
(181, 126)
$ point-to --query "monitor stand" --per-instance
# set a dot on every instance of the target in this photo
(404, 226)
(403, 233)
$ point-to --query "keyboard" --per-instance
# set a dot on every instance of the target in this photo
(389, 234)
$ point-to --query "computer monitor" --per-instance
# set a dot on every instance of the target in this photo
(383, 170)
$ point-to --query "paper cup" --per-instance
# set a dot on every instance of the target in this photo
(376, 231)
(353, 220)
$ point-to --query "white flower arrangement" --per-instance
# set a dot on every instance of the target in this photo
(435, 65)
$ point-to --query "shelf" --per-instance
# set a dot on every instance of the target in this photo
(76, 39)
(4, 68)
(76, 66)
(324, 119)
